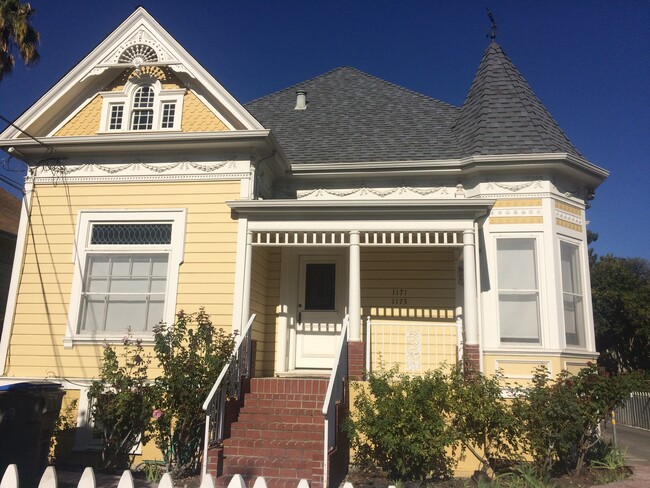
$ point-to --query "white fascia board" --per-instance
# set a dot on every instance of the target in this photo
(468, 165)
(123, 143)
(476, 207)
(74, 79)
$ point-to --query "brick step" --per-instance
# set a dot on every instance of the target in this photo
(270, 467)
(302, 418)
(304, 402)
(260, 432)
(261, 398)
(280, 444)
(287, 455)
(280, 426)
(289, 386)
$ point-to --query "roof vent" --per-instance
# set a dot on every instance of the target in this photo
(301, 100)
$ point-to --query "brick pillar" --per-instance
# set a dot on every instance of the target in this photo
(471, 358)
(356, 359)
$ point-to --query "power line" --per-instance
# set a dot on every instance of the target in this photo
(50, 148)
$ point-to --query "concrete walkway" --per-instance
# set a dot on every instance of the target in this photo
(636, 444)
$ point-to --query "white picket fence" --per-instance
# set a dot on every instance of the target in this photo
(87, 480)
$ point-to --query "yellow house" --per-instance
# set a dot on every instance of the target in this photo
(430, 232)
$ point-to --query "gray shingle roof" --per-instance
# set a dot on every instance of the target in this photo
(502, 115)
(352, 117)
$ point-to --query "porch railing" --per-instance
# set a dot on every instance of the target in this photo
(335, 394)
(413, 347)
(228, 385)
(636, 410)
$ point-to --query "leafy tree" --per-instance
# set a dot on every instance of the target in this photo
(16, 33)
(621, 299)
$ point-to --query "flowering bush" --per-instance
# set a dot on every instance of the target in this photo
(191, 354)
(121, 403)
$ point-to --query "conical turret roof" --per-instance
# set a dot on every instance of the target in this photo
(502, 115)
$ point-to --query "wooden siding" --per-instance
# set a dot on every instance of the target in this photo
(520, 368)
(206, 277)
(85, 122)
(265, 296)
(197, 117)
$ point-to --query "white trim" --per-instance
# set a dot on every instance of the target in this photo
(178, 219)
(16, 275)
(92, 67)
(492, 161)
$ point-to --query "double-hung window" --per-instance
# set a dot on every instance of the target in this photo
(128, 265)
(518, 288)
(572, 297)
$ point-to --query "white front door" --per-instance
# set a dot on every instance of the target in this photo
(322, 299)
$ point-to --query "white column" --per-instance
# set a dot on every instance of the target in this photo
(354, 291)
(470, 308)
(246, 294)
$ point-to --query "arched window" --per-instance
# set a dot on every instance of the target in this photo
(142, 112)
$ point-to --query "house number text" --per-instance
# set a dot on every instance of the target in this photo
(399, 296)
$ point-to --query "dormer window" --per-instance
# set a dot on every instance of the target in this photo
(142, 106)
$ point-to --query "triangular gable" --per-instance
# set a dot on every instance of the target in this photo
(138, 43)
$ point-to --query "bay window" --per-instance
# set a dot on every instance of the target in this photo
(518, 290)
(572, 297)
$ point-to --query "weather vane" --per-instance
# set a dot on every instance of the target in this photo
(493, 28)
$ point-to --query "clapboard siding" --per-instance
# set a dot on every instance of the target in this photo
(206, 277)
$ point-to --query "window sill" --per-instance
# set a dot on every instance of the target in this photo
(146, 131)
(70, 342)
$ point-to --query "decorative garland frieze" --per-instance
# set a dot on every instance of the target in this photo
(143, 171)
(402, 191)
(514, 188)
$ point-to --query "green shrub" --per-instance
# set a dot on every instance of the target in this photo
(401, 426)
(121, 403)
(482, 417)
(560, 416)
(191, 354)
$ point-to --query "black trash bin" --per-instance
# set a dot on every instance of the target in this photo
(28, 414)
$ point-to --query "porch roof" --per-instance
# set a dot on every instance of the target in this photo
(395, 222)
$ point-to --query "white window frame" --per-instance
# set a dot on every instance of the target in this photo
(513, 342)
(82, 249)
(125, 98)
(580, 276)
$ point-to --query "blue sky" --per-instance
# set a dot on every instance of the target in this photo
(587, 60)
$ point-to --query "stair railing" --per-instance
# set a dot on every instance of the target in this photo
(335, 394)
(228, 385)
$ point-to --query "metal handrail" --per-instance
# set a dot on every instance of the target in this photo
(227, 386)
(335, 394)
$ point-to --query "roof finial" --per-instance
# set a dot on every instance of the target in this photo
(493, 28)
